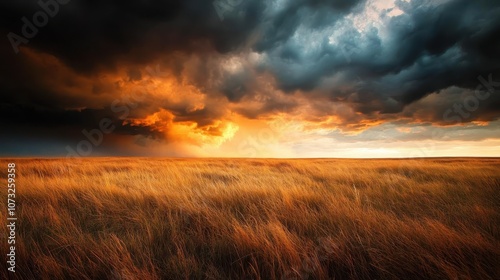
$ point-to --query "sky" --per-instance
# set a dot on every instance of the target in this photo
(250, 78)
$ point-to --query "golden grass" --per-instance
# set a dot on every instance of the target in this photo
(124, 218)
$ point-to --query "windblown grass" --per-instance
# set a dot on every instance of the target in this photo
(123, 218)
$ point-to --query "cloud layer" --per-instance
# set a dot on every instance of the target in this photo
(192, 71)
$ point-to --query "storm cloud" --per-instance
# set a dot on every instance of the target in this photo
(202, 65)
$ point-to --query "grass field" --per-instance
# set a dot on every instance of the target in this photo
(124, 218)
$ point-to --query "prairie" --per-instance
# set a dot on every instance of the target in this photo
(143, 218)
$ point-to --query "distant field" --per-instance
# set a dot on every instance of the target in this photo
(125, 218)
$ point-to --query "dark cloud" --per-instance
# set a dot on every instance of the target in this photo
(88, 35)
(283, 55)
(427, 49)
(72, 121)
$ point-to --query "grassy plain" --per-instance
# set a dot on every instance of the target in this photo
(139, 218)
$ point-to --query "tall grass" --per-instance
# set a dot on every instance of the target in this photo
(124, 218)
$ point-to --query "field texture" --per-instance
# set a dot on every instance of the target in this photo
(123, 218)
